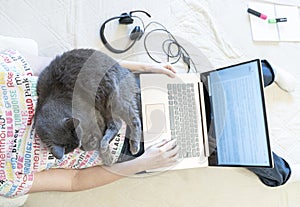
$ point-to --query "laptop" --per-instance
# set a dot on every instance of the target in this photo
(218, 117)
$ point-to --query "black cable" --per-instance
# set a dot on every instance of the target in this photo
(167, 44)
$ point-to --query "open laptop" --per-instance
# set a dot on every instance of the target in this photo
(218, 117)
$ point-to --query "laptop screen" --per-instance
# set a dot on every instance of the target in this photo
(238, 133)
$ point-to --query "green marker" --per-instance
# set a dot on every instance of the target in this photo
(272, 21)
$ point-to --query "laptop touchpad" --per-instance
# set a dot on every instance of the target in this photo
(156, 118)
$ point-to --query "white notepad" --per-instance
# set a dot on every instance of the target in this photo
(282, 31)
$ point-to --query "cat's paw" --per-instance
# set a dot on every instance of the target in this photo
(134, 147)
(91, 143)
(107, 158)
(94, 143)
(135, 139)
(104, 146)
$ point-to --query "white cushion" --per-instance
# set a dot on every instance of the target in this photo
(24, 45)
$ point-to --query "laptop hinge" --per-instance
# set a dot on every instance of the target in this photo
(203, 119)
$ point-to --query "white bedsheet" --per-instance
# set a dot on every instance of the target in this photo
(221, 30)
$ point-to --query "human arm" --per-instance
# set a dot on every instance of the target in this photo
(38, 63)
(162, 154)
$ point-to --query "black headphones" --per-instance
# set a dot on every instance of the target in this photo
(135, 34)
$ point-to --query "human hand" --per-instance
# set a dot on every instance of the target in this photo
(162, 154)
(164, 68)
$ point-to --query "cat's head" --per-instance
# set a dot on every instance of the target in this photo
(59, 136)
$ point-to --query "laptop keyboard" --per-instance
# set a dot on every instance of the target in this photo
(183, 119)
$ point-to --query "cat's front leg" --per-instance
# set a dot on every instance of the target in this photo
(129, 115)
(135, 134)
(124, 105)
(133, 121)
(113, 127)
(107, 157)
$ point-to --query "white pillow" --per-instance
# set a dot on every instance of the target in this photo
(28, 48)
(23, 45)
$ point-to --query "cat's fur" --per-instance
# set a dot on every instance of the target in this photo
(82, 97)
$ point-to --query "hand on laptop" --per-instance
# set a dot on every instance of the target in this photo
(161, 68)
(164, 68)
(162, 154)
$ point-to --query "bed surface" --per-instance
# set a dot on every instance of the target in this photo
(220, 31)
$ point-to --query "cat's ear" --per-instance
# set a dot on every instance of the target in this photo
(57, 151)
(71, 123)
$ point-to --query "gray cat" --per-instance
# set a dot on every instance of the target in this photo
(82, 97)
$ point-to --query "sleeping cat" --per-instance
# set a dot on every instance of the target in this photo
(82, 97)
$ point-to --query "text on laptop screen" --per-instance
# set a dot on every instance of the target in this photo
(238, 115)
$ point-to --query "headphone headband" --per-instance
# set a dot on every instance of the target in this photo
(124, 18)
(141, 12)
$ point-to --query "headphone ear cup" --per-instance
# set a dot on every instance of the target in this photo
(136, 33)
(125, 19)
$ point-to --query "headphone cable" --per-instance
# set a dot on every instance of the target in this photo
(166, 47)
